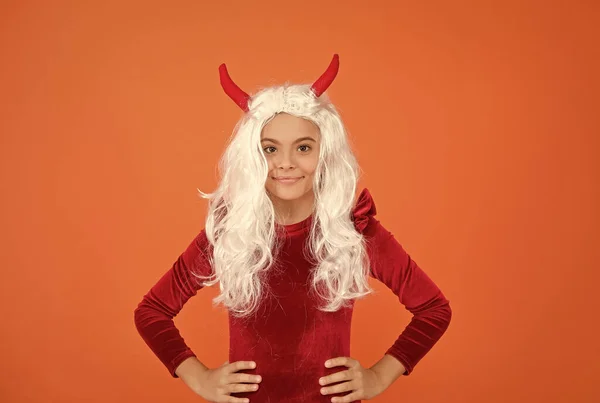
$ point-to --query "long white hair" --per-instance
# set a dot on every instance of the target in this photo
(240, 224)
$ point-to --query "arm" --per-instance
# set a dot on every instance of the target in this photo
(431, 311)
(154, 315)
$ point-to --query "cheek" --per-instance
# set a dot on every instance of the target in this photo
(309, 166)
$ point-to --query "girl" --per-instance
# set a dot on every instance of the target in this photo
(291, 251)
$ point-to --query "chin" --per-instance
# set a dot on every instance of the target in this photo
(288, 194)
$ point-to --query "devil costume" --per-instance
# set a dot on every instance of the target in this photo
(288, 337)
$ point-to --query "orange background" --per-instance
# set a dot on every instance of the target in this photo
(476, 125)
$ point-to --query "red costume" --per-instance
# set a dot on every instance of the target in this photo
(288, 337)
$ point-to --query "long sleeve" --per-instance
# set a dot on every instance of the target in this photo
(154, 315)
(392, 265)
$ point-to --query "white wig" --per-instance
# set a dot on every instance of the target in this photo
(240, 223)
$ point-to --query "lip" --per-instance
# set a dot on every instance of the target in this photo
(288, 180)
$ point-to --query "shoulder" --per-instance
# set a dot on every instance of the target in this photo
(198, 253)
(364, 211)
(386, 253)
(364, 215)
(379, 240)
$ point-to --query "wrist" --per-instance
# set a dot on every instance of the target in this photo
(191, 372)
(388, 369)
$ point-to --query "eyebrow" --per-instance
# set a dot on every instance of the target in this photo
(297, 140)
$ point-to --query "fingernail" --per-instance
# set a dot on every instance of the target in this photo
(253, 365)
(321, 381)
(322, 391)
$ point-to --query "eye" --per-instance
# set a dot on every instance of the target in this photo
(269, 147)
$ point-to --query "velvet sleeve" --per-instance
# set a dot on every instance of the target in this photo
(154, 315)
(393, 266)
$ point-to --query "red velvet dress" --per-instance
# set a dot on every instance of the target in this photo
(289, 338)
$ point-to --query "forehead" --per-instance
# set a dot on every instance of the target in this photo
(285, 126)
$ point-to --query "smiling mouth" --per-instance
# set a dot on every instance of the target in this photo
(287, 180)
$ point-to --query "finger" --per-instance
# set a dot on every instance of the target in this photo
(337, 377)
(357, 395)
(241, 365)
(242, 387)
(243, 378)
(340, 387)
(341, 361)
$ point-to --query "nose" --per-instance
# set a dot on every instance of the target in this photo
(285, 161)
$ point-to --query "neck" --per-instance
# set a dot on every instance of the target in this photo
(289, 212)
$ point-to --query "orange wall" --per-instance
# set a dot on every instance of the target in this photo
(476, 126)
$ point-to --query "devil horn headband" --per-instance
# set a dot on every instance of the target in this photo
(241, 98)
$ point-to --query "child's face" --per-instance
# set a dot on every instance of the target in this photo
(288, 155)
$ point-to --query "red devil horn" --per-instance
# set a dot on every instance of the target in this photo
(327, 78)
(235, 93)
